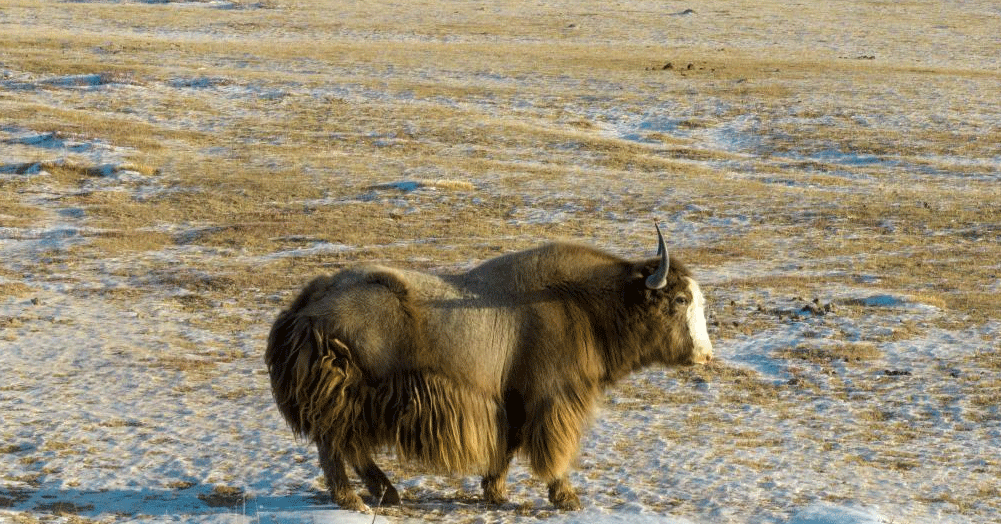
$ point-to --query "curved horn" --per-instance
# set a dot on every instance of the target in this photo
(659, 278)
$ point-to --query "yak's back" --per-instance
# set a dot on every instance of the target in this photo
(398, 320)
(539, 268)
(471, 325)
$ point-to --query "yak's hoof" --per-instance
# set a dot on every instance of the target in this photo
(352, 502)
(389, 498)
(568, 503)
(564, 498)
(494, 489)
(493, 497)
(383, 494)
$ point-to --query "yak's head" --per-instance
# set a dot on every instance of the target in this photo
(679, 307)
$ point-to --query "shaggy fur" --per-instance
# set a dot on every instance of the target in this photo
(426, 416)
(459, 373)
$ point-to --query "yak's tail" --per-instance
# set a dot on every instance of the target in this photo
(314, 379)
(427, 416)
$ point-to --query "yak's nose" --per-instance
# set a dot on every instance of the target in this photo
(703, 353)
(702, 359)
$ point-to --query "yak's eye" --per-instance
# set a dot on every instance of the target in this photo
(681, 301)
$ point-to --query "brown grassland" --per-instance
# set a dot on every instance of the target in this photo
(833, 151)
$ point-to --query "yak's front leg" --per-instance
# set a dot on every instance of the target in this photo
(563, 496)
(552, 438)
(378, 484)
(332, 463)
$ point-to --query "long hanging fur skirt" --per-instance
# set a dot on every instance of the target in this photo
(427, 417)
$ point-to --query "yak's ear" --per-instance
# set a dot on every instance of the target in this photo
(639, 274)
(644, 270)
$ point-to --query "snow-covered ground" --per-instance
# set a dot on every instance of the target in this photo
(829, 172)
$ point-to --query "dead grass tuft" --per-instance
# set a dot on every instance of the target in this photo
(876, 415)
(119, 243)
(988, 359)
(736, 385)
(121, 423)
(854, 353)
(12, 497)
(57, 445)
(192, 366)
(15, 289)
(64, 508)
(223, 496)
(235, 394)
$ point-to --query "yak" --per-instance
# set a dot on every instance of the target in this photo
(460, 372)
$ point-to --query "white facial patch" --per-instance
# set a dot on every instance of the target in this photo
(696, 316)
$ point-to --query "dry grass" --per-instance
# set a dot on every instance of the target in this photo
(853, 353)
(194, 367)
(241, 170)
(14, 289)
(224, 496)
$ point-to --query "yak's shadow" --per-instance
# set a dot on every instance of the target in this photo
(201, 500)
(196, 500)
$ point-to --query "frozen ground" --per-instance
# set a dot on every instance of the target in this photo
(171, 172)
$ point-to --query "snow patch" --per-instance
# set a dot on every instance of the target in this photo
(624, 515)
(409, 186)
(892, 301)
(826, 514)
(319, 248)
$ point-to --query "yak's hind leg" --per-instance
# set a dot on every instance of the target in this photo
(494, 483)
(332, 463)
(378, 484)
(513, 420)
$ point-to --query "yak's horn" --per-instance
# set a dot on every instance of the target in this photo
(659, 278)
